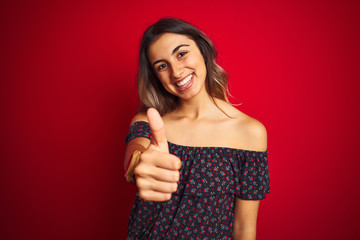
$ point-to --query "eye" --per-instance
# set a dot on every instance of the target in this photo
(182, 54)
(161, 66)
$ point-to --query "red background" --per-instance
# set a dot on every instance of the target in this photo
(68, 93)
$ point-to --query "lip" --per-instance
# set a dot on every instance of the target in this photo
(186, 86)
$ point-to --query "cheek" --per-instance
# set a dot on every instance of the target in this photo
(164, 80)
(196, 62)
(200, 66)
(163, 77)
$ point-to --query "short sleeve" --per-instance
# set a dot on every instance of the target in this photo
(253, 176)
(138, 129)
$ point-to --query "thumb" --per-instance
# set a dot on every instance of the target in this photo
(158, 130)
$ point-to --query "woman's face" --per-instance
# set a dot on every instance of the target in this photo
(179, 65)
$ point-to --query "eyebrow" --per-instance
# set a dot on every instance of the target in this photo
(173, 52)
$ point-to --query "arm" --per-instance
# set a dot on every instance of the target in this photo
(246, 211)
(157, 171)
(136, 148)
(245, 219)
(139, 143)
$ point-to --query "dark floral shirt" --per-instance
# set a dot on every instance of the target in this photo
(203, 205)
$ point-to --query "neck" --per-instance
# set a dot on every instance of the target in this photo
(196, 108)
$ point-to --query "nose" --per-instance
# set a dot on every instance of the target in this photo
(177, 70)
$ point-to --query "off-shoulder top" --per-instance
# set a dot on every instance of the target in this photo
(203, 205)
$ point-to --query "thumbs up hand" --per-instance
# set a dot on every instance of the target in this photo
(158, 141)
(157, 173)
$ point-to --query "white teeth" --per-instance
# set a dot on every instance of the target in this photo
(185, 81)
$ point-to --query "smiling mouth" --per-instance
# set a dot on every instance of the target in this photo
(183, 83)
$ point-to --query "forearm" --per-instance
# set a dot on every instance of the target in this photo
(244, 234)
(132, 157)
(245, 219)
(139, 144)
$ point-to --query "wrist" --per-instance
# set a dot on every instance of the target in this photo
(129, 172)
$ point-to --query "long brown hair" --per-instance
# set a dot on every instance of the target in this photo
(150, 90)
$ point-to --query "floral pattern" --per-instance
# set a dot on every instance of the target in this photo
(203, 205)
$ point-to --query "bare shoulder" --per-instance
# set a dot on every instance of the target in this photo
(255, 134)
(141, 116)
(249, 132)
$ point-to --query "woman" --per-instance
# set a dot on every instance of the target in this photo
(200, 164)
